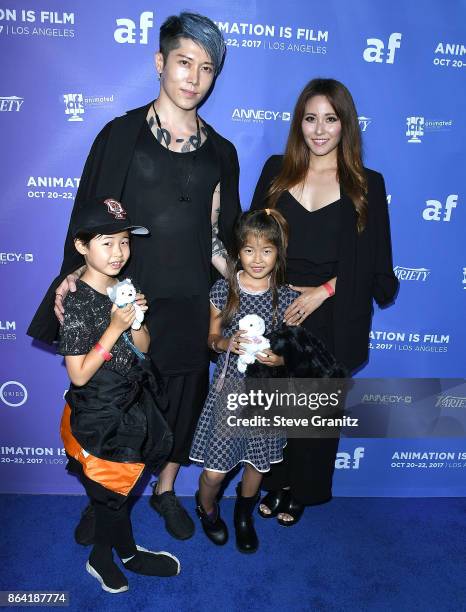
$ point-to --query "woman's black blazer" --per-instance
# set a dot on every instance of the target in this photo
(365, 266)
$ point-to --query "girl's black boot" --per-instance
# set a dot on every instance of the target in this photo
(246, 536)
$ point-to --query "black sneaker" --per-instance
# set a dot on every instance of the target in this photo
(149, 563)
(178, 523)
(85, 530)
(111, 578)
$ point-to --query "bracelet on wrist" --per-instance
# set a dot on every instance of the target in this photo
(329, 289)
(100, 349)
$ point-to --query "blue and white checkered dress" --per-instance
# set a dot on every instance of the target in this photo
(214, 446)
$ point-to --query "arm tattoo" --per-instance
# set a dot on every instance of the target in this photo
(218, 248)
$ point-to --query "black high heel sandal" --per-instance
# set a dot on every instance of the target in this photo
(275, 502)
(294, 509)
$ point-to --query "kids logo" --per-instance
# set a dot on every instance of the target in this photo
(127, 30)
(115, 208)
(74, 106)
(346, 461)
(415, 129)
(13, 393)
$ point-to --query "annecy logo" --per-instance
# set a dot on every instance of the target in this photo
(259, 115)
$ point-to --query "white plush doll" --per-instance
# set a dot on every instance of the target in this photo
(124, 293)
(255, 327)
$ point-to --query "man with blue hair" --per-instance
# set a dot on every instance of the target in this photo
(170, 168)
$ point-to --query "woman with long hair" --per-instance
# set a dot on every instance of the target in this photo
(339, 259)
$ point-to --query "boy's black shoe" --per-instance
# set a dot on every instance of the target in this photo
(109, 575)
(85, 530)
(178, 523)
(151, 563)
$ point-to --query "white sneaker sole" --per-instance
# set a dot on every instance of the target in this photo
(161, 552)
(98, 577)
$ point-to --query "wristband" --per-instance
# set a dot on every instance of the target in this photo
(100, 349)
(329, 289)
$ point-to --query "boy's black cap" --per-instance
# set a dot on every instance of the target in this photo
(103, 216)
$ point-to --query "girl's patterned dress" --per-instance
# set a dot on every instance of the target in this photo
(217, 445)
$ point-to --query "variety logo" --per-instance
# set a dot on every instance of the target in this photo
(450, 401)
(364, 123)
(247, 115)
(375, 52)
(127, 30)
(11, 104)
(346, 461)
(13, 393)
(6, 258)
(434, 208)
(411, 274)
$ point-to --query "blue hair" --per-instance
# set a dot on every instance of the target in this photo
(198, 28)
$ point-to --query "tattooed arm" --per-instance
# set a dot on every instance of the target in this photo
(219, 253)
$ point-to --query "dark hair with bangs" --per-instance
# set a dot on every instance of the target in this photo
(198, 28)
(271, 225)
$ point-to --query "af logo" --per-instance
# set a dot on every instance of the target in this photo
(344, 461)
(433, 209)
(126, 32)
(375, 51)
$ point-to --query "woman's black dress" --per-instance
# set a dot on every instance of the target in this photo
(312, 259)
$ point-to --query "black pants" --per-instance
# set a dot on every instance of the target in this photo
(307, 468)
(112, 521)
(186, 396)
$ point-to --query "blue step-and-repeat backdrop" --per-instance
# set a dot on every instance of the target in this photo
(70, 66)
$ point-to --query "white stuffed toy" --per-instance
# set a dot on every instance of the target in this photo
(124, 293)
(255, 327)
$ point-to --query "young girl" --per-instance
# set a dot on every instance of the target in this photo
(111, 426)
(256, 273)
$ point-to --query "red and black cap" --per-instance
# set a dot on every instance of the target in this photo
(103, 216)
